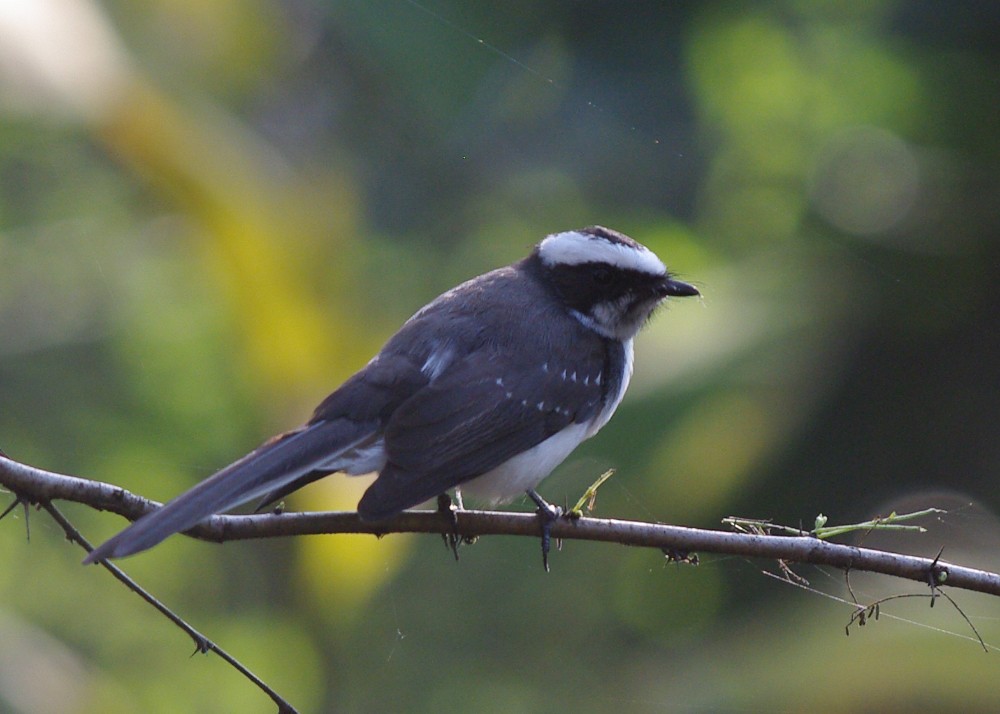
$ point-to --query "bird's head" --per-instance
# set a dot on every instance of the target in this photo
(608, 281)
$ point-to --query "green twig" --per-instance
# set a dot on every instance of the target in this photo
(893, 522)
(590, 495)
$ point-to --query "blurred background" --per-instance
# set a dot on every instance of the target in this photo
(212, 213)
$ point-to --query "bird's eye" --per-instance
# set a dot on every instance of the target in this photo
(601, 276)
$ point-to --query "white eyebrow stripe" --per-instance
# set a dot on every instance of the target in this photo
(575, 248)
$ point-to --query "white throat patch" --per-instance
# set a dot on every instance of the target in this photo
(576, 248)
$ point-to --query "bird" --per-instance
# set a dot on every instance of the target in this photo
(485, 390)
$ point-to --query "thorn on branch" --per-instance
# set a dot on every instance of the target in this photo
(202, 644)
(936, 576)
(24, 501)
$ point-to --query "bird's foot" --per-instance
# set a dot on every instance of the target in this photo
(450, 510)
(547, 514)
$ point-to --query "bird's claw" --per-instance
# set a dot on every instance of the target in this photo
(450, 510)
(547, 514)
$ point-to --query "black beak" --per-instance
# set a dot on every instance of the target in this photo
(676, 288)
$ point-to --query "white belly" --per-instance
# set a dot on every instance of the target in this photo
(516, 475)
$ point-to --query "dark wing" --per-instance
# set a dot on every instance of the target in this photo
(484, 411)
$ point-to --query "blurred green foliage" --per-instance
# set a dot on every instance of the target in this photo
(212, 213)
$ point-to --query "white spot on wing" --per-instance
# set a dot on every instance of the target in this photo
(437, 362)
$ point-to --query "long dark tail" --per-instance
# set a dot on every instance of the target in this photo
(266, 470)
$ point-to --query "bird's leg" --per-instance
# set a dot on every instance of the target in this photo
(548, 514)
(450, 510)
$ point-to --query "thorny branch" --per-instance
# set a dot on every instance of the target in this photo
(35, 486)
(39, 485)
